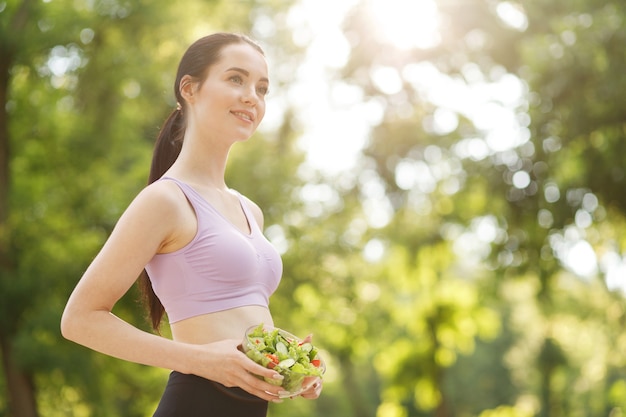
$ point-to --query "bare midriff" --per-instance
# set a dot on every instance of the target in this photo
(221, 325)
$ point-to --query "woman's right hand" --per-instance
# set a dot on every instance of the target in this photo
(223, 362)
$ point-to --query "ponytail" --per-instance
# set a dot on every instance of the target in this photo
(166, 150)
(168, 145)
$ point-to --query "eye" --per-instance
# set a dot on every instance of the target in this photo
(237, 79)
(262, 90)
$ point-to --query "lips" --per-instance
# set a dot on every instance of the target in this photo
(245, 115)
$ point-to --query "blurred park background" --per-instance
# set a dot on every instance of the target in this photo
(445, 180)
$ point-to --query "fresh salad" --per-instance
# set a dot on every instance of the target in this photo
(296, 360)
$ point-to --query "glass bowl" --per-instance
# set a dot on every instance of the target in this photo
(297, 360)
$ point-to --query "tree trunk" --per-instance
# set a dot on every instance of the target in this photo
(5, 64)
(351, 386)
(438, 372)
(20, 385)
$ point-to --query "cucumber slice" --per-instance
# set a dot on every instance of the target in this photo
(287, 363)
(282, 348)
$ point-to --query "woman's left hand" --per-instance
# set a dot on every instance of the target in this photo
(314, 391)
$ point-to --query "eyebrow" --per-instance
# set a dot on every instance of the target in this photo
(246, 73)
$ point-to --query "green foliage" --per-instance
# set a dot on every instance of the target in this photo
(575, 138)
(504, 411)
(445, 319)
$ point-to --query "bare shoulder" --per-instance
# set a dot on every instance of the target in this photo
(256, 211)
(159, 211)
(162, 196)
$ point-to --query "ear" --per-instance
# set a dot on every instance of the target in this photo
(187, 88)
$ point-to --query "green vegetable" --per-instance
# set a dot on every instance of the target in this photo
(293, 359)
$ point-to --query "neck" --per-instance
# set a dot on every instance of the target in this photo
(201, 162)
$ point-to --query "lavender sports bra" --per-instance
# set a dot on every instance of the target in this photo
(221, 268)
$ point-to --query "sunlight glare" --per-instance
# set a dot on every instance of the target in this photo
(581, 259)
(614, 266)
(373, 252)
(513, 15)
(387, 80)
(407, 23)
(575, 252)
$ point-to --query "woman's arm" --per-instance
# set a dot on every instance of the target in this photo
(155, 221)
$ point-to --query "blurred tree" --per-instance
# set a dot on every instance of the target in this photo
(520, 201)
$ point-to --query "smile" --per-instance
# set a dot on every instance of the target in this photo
(244, 115)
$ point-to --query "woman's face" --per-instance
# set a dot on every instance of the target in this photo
(230, 103)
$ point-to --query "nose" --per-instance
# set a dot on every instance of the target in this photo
(250, 97)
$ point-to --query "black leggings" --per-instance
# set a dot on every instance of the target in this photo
(193, 396)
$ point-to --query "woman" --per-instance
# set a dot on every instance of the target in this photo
(200, 243)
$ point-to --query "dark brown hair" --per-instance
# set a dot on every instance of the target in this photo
(196, 61)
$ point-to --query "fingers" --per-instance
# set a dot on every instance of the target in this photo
(260, 381)
(261, 388)
(229, 366)
(256, 369)
(314, 392)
